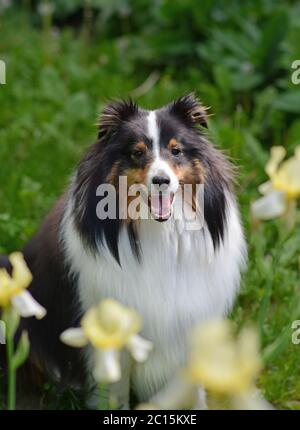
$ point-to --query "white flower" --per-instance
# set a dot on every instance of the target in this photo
(45, 8)
(5, 4)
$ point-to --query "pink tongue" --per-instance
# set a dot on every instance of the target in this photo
(161, 205)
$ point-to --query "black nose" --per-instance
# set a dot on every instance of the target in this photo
(161, 180)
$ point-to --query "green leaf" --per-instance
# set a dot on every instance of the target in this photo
(272, 351)
(288, 101)
(268, 49)
(255, 149)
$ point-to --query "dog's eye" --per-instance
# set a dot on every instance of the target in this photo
(137, 153)
(176, 151)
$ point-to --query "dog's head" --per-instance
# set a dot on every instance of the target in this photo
(163, 150)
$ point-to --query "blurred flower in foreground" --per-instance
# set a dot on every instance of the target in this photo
(15, 301)
(13, 289)
(283, 188)
(223, 365)
(109, 327)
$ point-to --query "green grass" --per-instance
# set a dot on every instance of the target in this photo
(56, 86)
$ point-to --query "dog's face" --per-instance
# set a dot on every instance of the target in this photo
(160, 149)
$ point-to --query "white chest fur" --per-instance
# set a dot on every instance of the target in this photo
(179, 282)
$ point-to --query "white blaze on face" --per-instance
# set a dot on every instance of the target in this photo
(153, 132)
(161, 203)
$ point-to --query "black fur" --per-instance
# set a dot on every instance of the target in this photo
(118, 125)
(56, 291)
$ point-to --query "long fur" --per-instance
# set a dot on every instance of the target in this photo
(174, 277)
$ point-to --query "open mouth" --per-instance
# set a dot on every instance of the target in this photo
(161, 205)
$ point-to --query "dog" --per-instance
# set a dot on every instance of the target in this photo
(175, 277)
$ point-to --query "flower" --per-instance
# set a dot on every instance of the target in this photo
(4, 4)
(178, 393)
(13, 289)
(282, 188)
(220, 363)
(108, 328)
(45, 8)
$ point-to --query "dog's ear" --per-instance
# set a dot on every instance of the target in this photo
(190, 110)
(113, 114)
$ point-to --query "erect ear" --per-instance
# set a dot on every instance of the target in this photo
(113, 114)
(190, 110)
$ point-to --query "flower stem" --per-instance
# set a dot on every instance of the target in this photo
(11, 393)
(103, 397)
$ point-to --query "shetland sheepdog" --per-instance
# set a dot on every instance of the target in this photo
(173, 275)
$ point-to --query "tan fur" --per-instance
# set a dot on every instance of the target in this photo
(113, 177)
(173, 143)
(140, 146)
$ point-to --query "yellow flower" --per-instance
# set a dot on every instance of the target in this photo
(109, 327)
(285, 175)
(226, 366)
(13, 289)
(220, 363)
(20, 279)
(282, 188)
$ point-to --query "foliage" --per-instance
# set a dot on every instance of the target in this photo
(238, 60)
